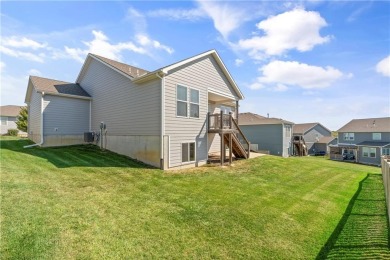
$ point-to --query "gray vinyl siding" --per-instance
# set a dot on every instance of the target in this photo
(361, 137)
(268, 137)
(370, 160)
(200, 74)
(34, 117)
(126, 108)
(70, 116)
(313, 135)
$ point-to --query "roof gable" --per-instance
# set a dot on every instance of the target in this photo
(55, 87)
(138, 75)
(306, 127)
(367, 125)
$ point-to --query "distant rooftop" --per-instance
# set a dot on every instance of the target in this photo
(10, 110)
(255, 119)
(367, 125)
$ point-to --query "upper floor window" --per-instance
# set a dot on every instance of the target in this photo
(4, 120)
(187, 102)
(376, 136)
(349, 136)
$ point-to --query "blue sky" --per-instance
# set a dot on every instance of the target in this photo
(303, 61)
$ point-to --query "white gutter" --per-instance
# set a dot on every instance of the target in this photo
(42, 140)
(162, 132)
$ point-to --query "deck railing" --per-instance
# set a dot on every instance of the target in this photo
(224, 122)
(385, 163)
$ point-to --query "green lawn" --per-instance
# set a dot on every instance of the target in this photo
(82, 203)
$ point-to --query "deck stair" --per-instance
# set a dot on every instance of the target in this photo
(300, 148)
(231, 136)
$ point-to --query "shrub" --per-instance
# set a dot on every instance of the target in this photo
(13, 132)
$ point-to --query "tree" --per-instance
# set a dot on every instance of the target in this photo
(22, 119)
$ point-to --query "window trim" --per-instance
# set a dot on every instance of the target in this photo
(347, 136)
(188, 102)
(6, 120)
(388, 151)
(189, 151)
(369, 149)
(377, 139)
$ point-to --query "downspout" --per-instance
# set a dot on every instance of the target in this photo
(162, 120)
(42, 140)
(90, 115)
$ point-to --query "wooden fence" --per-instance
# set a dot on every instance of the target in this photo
(386, 181)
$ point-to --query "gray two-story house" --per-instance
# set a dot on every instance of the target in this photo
(363, 141)
(312, 135)
(268, 134)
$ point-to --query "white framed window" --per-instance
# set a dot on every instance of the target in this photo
(181, 101)
(376, 136)
(369, 152)
(194, 103)
(4, 120)
(349, 136)
(188, 152)
(386, 151)
(187, 102)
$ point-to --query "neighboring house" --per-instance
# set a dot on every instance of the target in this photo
(8, 115)
(269, 134)
(321, 147)
(363, 141)
(310, 134)
(158, 117)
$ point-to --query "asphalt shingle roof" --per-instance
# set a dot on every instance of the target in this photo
(303, 128)
(254, 119)
(58, 87)
(367, 125)
(131, 71)
(10, 110)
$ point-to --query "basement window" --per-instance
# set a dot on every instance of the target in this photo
(188, 152)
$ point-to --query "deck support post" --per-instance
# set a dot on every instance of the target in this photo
(222, 149)
(230, 148)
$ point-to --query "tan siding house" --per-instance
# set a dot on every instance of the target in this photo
(158, 117)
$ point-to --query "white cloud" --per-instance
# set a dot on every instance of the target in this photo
(22, 42)
(226, 17)
(179, 14)
(383, 67)
(144, 40)
(34, 72)
(100, 45)
(298, 74)
(256, 85)
(137, 19)
(280, 88)
(297, 29)
(238, 62)
(22, 54)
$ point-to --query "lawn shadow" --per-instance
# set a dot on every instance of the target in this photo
(363, 231)
(73, 156)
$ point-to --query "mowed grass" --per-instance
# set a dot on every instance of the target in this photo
(82, 203)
